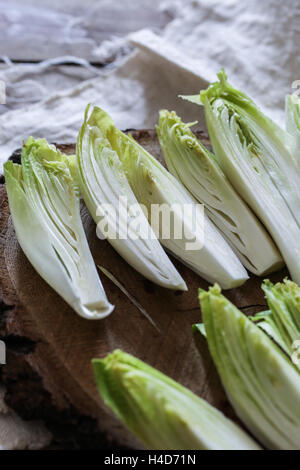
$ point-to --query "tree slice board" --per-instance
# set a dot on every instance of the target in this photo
(48, 371)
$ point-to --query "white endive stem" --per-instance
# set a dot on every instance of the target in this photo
(44, 203)
(104, 185)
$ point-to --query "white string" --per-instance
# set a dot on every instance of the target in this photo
(129, 296)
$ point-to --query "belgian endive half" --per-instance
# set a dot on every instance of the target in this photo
(114, 207)
(160, 412)
(190, 237)
(261, 382)
(255, 154)
(44, 204)
(198, 170)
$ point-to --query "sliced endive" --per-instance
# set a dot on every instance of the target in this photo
(198, 170)
(292, 121)
(270, 144)
(253, 153)
(44, 204)
(200, 244)
(260, 381)
(283, 318)
(114, 207)
(159, 411)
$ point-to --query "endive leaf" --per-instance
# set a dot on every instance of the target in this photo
(255, 154)
(159, 411)
(114, 206)
(44, 204)
(260, 381)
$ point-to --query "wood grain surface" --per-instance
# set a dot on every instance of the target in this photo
(58, 345)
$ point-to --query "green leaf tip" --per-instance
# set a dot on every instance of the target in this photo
(101, 119)
(212, 290)
(214, 90)
(195, 99)
(222, 76)
(199, 328)
(223, 89)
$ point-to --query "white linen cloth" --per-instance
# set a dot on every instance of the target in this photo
(256, 42)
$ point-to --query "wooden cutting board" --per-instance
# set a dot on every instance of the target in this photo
(50, 347)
